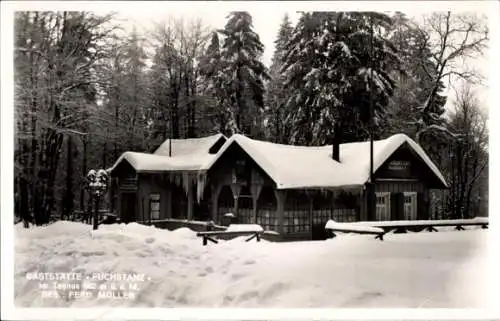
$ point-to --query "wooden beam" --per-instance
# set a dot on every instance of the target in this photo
(190, 200)
(169, 200)
(255, 189)
(280, 199)
(236, 189)
(208, 238)
(310, 196)
(216, 189)
(256, 235)
(167, 187)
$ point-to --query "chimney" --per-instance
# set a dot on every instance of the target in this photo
(337, 137)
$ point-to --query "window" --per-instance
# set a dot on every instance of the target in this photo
(267, 219)
(296, 216)
(296, 220)
(383, 206)
(410, 205)
(241, 173)
(154, 206)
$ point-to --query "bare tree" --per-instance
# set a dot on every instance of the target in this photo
(453, 39)
(469, 154)
(175, 74)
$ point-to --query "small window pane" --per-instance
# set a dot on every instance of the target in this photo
(154, 197)
(155, 215)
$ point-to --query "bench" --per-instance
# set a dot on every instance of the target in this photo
(109, 218)
(333, 227)
(254, 230)
(209, 235)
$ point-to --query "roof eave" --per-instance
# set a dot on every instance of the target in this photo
(319, 187)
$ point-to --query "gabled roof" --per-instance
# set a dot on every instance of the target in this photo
(189, 146)
(187, 155)
(313, 167)
(288, 166)
(143, 162)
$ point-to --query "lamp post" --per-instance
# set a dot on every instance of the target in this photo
(97, 184)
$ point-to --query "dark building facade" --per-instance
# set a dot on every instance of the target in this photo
(290, 190)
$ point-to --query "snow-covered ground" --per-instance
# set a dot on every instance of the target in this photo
(428, 270)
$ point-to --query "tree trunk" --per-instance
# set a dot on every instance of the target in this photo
(105, 151)
(34, 110)
(174, 116)
(187, 120)
(68, 198)
(84, 173)
(239, 102)
(452, 199)
(464, 182)
(193, 105)
(53, 167)
(23, 190)
(475, 175)
(116, 136)
(96, 212)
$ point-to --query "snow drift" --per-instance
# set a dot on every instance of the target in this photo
(440, 270)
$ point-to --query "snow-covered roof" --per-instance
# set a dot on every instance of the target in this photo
(189, 146)
(187, 155)
(313, 167)
(289, 166)
(143, 162)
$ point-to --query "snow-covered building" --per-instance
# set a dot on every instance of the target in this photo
(293, 190)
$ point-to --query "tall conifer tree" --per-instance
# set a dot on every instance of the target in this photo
(327, 65)
(240, 61)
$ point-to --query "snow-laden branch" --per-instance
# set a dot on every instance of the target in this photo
(439, 128)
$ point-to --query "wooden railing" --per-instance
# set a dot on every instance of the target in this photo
(429, 225)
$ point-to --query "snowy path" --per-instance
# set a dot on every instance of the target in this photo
(438, 270)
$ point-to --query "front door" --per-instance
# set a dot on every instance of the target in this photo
(410, 207)
(128, 207)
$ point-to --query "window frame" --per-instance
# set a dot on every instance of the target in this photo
(154, 198)
(414, 205)
(386, 196)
